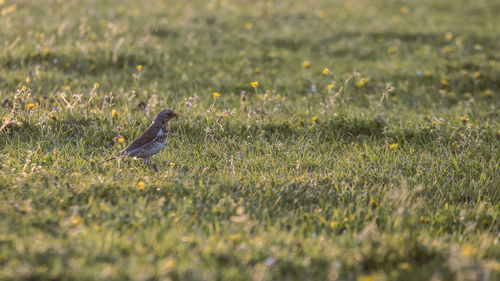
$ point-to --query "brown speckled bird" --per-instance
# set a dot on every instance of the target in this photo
(152, 140)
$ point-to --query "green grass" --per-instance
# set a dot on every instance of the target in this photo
(249, 187)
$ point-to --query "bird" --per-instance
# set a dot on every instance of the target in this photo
(152, 140)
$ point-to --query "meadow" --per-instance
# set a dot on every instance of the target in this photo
(320, 140)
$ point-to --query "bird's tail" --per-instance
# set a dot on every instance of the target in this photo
(116, 156)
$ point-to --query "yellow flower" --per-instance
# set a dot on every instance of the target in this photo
(373, 204)
(393, 146)
(114, 113)
(121, 139)
(278, 96)
(464, 119)
(435, 123)
(30, 106)
(248, 25)
(314, 119)
(448, 36)
(476, 74)
(467, 251)
(487, 92)
(306, 64)
(24, 88)
(76, 220)
(330, 86)
(140, 185)
(216, 95)
(96, 85)
(254, 84)
(367, 278)
(234, 237)
(139, 67)
(333, 224)
(454, 145)
(424, 219)
(362, 82)
(444, 82)
(325, 70)
(172, 164)
(404, 266)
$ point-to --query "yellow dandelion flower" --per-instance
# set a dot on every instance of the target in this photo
(333, 224)
(464, 119)
(172, 164)
(306, 64)
(448, 36)
(278, 96)
(404, 266)
(114, 113)
(121, 139)
(373, 203)
(360, 83)
(254, 84)
(476, 74)
(488, 92)
(24, 88)
(330, 86)
(435, 123)
(76, 220)
(467, 251)
(444, 82)
(30, 106)
(325, 70)
(314, 119)
(393, 146)
(96, 85)
(140, 185)
(367, 278)
(216, 95)
(235, 237)
(139, 67)
(248, 25)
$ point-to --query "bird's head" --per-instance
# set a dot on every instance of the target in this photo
(165, 116)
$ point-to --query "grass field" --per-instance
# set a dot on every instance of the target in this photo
(367, 149)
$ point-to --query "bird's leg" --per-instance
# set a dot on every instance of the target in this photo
(147, 162)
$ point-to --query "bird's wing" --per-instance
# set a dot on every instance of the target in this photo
(146, 137)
